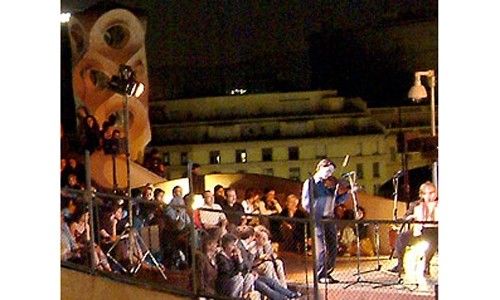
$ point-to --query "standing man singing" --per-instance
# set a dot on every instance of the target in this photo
(317, 196)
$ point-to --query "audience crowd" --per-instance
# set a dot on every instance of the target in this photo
(237, 239)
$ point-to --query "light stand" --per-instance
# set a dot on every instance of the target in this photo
(418, 92)
(126, 85)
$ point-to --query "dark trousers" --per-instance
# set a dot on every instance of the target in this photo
(326, 247)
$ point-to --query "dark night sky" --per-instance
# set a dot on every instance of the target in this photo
(294, 41)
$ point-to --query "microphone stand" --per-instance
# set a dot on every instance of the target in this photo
(358, 252)
(352, 182)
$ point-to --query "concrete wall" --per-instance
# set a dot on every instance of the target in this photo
(83, 286)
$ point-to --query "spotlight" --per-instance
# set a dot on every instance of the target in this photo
(125, 83)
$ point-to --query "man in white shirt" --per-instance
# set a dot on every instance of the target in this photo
(209, 218)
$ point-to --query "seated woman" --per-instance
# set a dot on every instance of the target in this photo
(266, 261)
(70, 250)
(110, 232)
(206, 264)
(292, 235)
(80, 229)
(424, 209)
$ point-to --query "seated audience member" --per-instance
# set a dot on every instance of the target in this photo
(232, 280)
(72, 184)
(175, 235)
(348, 240)
(266, 285)
(73, 166)
(211, 219)
(234, 210)
(269, 204)
(206, 264)
(249, 206)
(176, 192)
(142, 206)
(219, 195)
(112, 143)
(266, 262)
(80, 229)
(111, 231)
(292, 232)
(70, 250)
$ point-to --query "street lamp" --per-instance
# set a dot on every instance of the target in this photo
(417, 93)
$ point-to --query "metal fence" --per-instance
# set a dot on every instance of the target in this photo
(179, 250)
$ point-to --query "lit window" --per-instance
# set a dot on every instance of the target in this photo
(241, 156)
(215, 157)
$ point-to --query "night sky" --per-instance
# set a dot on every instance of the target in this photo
(204, 48)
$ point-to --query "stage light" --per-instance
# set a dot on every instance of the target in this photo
(135, 89)
(125, 83)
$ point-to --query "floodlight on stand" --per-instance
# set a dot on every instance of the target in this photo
(125, 83)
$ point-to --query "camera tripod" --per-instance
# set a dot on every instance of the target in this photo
(139, 250)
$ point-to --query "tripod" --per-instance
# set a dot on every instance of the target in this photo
(139, 250)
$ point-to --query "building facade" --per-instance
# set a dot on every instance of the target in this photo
(283, 135)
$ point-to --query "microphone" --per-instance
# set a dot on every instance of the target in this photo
(346, 161)
(398, 174)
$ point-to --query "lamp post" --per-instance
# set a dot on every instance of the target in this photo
(418, 92)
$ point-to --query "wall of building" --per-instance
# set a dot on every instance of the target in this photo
(348, 127)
